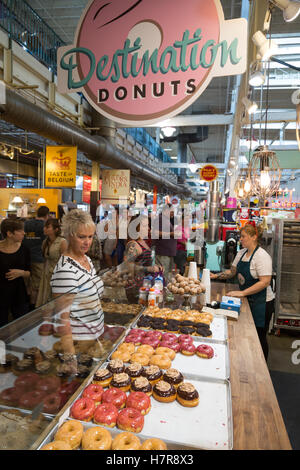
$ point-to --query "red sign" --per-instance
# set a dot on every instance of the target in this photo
(86, 189)
(209, 173)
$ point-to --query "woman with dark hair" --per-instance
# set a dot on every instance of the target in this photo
(253, 267)
(14, 268)
(52, 248)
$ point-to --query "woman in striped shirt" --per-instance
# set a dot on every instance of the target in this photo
(75, 275)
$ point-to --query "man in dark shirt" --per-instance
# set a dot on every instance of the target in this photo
(34, 237)
(165, 243)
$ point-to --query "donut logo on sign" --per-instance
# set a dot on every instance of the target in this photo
(143, 61)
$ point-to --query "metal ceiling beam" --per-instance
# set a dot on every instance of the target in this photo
(197, 120)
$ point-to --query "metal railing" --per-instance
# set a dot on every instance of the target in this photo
(24, 26)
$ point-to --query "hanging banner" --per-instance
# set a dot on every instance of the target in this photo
(60, 167)
(138, 64)
(208, 173)
(115, 186)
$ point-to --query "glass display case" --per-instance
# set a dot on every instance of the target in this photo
(42, 366)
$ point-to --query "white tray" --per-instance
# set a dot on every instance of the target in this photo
(217, 367)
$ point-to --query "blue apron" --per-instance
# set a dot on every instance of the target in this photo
(257, 302)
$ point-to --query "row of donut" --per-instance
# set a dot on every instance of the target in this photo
(153, 343)
(186, 327)
(29, 390)
(71, 436)
(179, 314)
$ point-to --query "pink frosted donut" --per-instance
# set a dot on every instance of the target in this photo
(187, 349)
(204, 350)
(137, 331)
(153, 334)
(151, 341)
(185, 339)
(174, 346)
(169, 337)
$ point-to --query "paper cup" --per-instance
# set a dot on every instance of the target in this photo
(193, 270)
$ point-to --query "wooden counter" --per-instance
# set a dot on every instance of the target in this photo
(257, 419)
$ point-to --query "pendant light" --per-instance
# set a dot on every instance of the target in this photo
(264, 168)
(17, 200)
(257, 77)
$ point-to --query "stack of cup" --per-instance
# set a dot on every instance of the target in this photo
(206, 281)
(193, 270)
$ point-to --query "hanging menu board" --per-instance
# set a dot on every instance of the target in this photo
(115, 186)
(60, 167)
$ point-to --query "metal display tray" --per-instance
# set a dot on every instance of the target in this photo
(208, 426)
(218, 328)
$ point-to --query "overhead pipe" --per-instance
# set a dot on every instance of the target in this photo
(26, 115)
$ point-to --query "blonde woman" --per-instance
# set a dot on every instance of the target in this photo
(75, 275)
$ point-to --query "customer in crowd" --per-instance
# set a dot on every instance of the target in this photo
(52, 248)
(75, 276)
(107, 233)
(137, 251)
(34, 237)
(14, 268)
(163, 239)
(253, 267)
(182, 236)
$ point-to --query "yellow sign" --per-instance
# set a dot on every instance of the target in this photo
(208, 173)
(61, 167)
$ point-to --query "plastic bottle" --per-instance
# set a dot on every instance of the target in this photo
(206, 281)
(152, 298)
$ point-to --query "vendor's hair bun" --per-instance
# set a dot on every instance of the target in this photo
(253, 231)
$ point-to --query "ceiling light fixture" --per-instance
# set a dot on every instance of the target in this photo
(168, 131)
(17, 200)
(290, 9)
(257, 77)
(251, 106)
(265, 47)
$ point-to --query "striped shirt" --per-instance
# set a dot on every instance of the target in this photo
(86, 314)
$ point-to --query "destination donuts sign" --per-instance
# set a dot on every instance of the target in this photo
(143, 61)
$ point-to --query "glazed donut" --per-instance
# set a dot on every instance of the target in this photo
(187, 349)
(31, 399)
(142, 359)
(166, 351)
(83, 409)
(139, 401)
(106, 415)
(122, 355)
(126, 441)
(96, 438)
(27, 381)
(114, 396)
(164, 392)
(70, 432)
(52, 403)
(94, 392)
(153, 444)
(174, 346)
(102, 377)
(46, 329)
(48, 384)
(205, 351)
(145, 349)
(131, 420)
(187, 395)
(128, 347)
(161, 360)
(57, 445)
(11, 396)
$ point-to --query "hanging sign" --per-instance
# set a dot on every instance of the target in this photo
(115, 186)
(208, 173)
(137, 64)
(60, 167)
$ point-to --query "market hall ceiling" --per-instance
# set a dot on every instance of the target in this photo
(63, 17)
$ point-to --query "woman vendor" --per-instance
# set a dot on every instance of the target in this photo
(253, 267)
